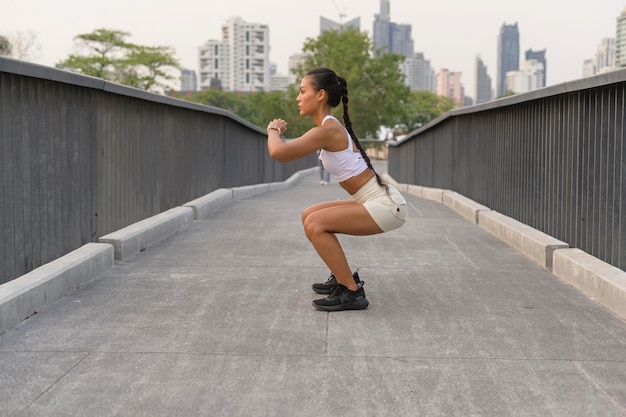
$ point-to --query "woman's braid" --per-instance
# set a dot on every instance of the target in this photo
(348, 123)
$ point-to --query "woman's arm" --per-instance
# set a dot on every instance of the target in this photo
(314, 139)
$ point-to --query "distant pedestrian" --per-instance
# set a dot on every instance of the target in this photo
(375, 207)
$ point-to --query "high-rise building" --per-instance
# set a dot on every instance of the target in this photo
(214, 63)
(620, 41)
(508, 54)
(391, 37)
(605, 56)
(240, 61)
(280, 82)
(604, 59)
(381, 33)
(419, 75)
(449, 85)
(527, 78)
(188, 80)
(541, 57)
(297, 62)
(328, 25)
(482, 83)
(589, 68)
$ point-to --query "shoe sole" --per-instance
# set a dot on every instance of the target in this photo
(360, 303)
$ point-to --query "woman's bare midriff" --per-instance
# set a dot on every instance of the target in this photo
(354, 184)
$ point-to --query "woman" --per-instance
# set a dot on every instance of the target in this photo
(375, 207)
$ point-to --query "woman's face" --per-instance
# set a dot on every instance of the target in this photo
(308, 97)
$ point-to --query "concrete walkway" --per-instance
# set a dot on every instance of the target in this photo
(217, 320)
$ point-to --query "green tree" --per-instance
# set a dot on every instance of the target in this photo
(258, 108)
(231, 102)
(376, 89)
(103, 54)
(5, 46)
(376, 86)
(148, 65)
(507, 93)
(24, 46)
(422, 107)
(267, 106)
(109, 55)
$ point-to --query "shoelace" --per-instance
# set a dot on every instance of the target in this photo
(336, 293)
(331, 280)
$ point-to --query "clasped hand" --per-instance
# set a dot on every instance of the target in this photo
(282, 125)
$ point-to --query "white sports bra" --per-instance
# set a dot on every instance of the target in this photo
(343, 164)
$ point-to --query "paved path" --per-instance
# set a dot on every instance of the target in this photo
(217, 321)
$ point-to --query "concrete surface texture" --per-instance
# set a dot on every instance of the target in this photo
(216, 320)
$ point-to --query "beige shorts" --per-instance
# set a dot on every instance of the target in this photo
(388, 210)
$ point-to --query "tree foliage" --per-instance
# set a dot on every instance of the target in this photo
(258, 107)
(422, 107)
(376, 88)
(147, 66)
(5, 46)
(377, 93)
(109, 55)
(23, 45)
(507, 93)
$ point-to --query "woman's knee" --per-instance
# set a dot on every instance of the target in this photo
(311, 225)
(308, 211)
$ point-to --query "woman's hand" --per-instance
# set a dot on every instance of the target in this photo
(277, 123)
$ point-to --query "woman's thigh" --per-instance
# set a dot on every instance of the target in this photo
(324, 205)
(350, 218)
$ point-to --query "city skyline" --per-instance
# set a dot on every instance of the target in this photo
(449, 34)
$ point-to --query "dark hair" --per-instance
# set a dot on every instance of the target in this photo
(336, 88)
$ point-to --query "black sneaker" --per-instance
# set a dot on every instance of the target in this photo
(329, 286)
(343, 299)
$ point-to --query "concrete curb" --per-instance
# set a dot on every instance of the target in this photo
(299, 175)
(26, 295)
(535, 244)
(463, 206)
(588, 274)
(133, 239)
(531, 242)
(248, 191)
(433, 194)
(599, 280)
(208, 204)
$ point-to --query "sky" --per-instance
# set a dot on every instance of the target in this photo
(450, 33)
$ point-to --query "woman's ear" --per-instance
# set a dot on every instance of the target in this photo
(321, 95)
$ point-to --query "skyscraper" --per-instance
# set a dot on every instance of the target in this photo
(508, 54)
(605, 56)
(327, 24)
(449, 85)
(381, 32)
(213, 64)
(240, 61)
(482, 83)
(527, 78)
(188, 80)
(419, 75)
(539, 56)
(620, 41)
(391, 37)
